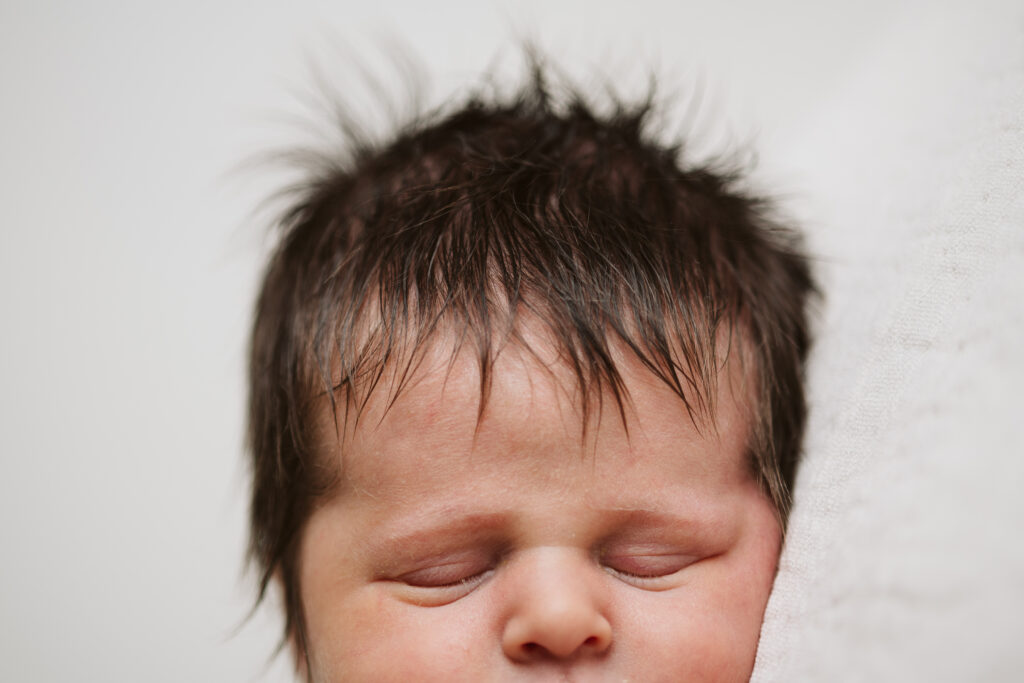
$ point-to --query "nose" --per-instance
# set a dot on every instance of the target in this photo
(556, 611)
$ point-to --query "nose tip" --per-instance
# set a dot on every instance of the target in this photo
(557, 636)
(556, 615)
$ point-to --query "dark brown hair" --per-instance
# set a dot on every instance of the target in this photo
(470, 218)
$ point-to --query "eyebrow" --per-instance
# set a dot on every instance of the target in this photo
(444, 526)
(448, 524)
(693, 521)
(650, 516)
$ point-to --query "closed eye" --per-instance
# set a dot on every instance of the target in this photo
(443, 582)
(646, 567)
(447, 575)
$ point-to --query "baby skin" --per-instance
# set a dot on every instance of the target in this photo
(522, 545)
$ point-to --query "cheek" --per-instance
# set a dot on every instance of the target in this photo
(708, 629)
(694, 637)
(371, 638)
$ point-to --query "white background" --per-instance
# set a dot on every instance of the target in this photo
(130, 248)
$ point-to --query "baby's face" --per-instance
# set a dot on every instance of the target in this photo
(514, 548)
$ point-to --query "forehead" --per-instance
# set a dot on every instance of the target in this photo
(436, 419)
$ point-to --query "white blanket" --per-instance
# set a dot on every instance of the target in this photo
(905, 554)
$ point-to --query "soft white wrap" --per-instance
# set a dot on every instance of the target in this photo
(905, 555)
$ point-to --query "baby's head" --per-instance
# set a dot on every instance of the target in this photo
(525, 401)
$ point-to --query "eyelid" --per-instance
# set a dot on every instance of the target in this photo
(643, 563)
(441, 584)
(446, 574)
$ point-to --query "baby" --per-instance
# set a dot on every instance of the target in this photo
(525, 404)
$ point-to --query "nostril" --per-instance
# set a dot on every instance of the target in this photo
(556, 633)
(533, 650)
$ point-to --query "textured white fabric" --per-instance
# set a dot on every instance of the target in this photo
(905, 557)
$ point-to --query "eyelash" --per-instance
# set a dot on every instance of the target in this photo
(411, 579)
(445, 591)
(638, 579)
(648, 579)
